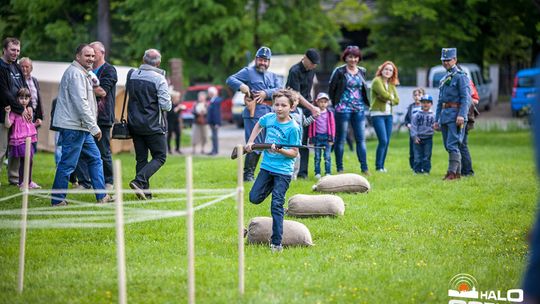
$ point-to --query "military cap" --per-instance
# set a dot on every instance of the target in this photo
(448, 53)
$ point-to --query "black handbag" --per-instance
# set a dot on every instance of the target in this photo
(120, 129)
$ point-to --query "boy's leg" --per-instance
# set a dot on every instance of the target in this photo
(417, 158)
(262, 187)
(281, 185)
(428, 145)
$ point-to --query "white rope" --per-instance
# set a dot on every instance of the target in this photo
(103, 215)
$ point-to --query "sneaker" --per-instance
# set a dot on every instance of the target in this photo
(317, 176)
(138, 190)
(62, 203)
(276, 248)
(106, 199)
(33, 185)
(366, 173)
(383, 170)
(109, 187)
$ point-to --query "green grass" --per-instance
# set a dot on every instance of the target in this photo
(400, 243)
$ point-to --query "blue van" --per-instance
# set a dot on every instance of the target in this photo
(524, 90)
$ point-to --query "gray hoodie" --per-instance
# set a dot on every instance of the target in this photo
(76, 106)
(422, 125)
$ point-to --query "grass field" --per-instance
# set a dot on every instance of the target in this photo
(400, 243)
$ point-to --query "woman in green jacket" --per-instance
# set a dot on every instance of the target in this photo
(383, 97)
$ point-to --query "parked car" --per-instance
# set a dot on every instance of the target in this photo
(190, 98)
(524, 90)
(473, 71)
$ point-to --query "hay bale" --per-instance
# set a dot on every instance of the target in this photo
(294, 233)
(348, 182)
(315, 205)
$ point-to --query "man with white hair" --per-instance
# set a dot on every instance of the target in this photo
(214, 117)
(148, 98)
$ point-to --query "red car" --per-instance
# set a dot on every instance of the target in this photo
(190, 98)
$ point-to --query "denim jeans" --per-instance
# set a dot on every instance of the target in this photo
(422, 155)
(215, 139)
(157, 145)
(358, 122)
(269, 182)
(321, 140)
(466, 161)
(383, 128)
(104, 146)
(74, 144)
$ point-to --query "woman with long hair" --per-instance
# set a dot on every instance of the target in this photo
(383, 98)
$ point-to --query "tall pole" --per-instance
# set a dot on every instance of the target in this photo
(240, 206)
(190, 233)
(24, 213)
(120, 249)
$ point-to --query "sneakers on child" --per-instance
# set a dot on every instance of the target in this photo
(317, 176)
(33, 185)
(106, 199)
(276, 248)
(62, 203)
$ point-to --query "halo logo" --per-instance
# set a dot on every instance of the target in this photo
(465, 286)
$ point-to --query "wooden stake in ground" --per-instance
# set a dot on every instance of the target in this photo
(190, 233)
(24, 213)
(120, 249)
(240, 206)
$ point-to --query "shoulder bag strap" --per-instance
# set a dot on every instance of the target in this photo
(125, 95)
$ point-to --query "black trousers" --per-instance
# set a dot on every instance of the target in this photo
(156, 144)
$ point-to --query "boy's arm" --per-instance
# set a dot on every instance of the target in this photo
(291, 152)
(256, 130)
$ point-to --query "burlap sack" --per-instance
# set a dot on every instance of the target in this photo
(348, 182)
(315, 205)
(294, 233)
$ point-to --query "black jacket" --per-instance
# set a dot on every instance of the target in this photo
(107, 80)
(8, 90)
(338, 82)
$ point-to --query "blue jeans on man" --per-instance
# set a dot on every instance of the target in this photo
(357, 121)
(104, 146)
(466, 160)
(269, 182)
(383, 128)
(422, 155)
(322, 140)
(74, 144)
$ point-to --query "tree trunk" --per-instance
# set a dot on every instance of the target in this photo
(104, 25)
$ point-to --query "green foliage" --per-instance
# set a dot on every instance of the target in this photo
(400, 243)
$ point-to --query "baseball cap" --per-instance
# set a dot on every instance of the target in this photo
(322, 95)
(313, 56)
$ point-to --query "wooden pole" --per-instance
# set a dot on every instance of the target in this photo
(240, 205)
(24, 213)
(190, 233)
(120, 249)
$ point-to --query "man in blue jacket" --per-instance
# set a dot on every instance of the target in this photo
(258, 84)
(148, 98)
(213, 117)
(452, 109)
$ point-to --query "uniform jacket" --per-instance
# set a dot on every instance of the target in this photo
(380, 95)
(454, 87)
(76, 107)
(338, 82)
(8, 90)
(148, 97)
(107, 80)
(256, 81)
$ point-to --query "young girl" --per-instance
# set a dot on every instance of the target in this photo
(322, 133)
(277, 164)
(20, 130)
(412, 109)
(199, 128)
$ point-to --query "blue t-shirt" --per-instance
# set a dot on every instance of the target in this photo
(279, 133)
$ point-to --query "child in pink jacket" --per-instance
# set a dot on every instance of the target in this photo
(322, 133)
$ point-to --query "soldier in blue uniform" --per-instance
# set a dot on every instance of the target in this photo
(258, 84)
(452, 108)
